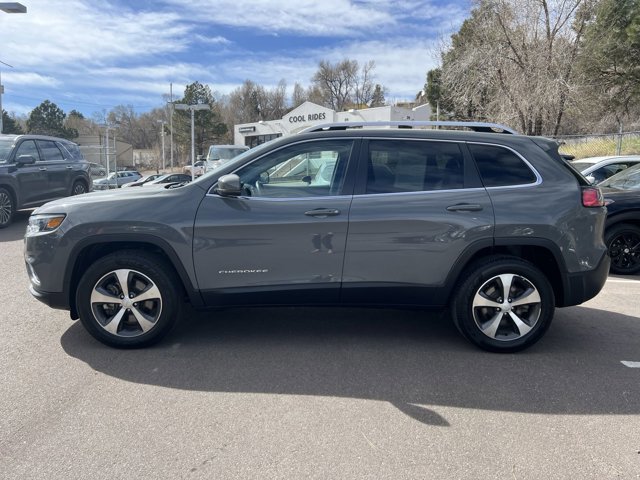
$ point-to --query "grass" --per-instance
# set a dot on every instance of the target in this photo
(600, 146)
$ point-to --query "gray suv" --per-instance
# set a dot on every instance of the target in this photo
(495, 226)
(35, 169)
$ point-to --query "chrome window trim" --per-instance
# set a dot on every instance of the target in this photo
(518, 185)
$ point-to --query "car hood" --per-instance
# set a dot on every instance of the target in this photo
(94, 199)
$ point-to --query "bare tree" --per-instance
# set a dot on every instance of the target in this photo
(513, 60)
(364, 86)
(337, 82)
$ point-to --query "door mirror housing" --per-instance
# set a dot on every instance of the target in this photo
(229, 186)
(26, 160)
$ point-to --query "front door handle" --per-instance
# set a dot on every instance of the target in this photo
(323, 212)
(464, 207)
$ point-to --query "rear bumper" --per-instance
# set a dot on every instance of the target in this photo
(583, 286)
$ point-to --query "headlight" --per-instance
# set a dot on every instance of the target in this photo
(43, 224)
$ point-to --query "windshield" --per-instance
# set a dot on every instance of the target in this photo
(5, 149)
(628, 179)
(244, 154)
(224, 153)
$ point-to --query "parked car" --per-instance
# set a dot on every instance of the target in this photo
(598, 169)
(116, 180)
(198, 169)
(97, 170)
(496, 226)
(622, 230)
(219, 154)
(163, 180)
(142, 180)
(35, 169)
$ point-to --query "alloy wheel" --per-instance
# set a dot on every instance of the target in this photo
(506, 307)
(6, 208)
(126, 303)
(624, 250)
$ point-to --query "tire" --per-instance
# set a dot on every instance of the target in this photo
(623, 244)
(7, 208)
(498, 324)
(110, 312)
(78, 188)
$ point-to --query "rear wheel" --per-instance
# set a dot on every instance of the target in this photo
(623, 243)
(128, 299)
(78, 188)
(7, 208)
(504, 304)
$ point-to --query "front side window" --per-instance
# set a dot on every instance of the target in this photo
(302, 170)
(28, 147)
(500, 167)
(412, 166)
(50, 150)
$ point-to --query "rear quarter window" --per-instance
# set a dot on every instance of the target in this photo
(500, 167)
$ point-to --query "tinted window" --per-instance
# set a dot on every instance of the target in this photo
(72, 149)
(50, 150)
(301, 170)
(500, 167)
(410, 166)
(28, 147)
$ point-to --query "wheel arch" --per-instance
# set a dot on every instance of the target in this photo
(541, 253)
(94, 248)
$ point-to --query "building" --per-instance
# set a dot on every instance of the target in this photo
(95, 150)
(309, 114)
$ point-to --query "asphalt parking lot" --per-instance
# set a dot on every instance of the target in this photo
(317, 393)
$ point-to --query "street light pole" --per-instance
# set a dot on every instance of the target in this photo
(193, 108)
(8, 7)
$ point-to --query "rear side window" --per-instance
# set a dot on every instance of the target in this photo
(50, 150)
(500, 167)
(72, 149)
(413, 166)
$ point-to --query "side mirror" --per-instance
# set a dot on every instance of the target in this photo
(229, 186)
(591, 179)
(26, 160)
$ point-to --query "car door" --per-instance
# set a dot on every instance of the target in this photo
(32, 179)
(59, 169)
(418, 207)
(283, 240)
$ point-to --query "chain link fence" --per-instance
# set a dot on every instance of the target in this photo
(583, 146)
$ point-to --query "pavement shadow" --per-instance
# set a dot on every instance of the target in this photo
(16, 230)
(412, 359)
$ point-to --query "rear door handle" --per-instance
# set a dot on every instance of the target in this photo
(464, 207)
(69, 167)
(323, 212)
(43, 169)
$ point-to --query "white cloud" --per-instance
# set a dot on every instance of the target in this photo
(10, 79)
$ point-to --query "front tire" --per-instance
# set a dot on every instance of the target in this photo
(623, 244)
(503, 304)
(128, 299)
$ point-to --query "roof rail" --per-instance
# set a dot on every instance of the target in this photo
(475, 126)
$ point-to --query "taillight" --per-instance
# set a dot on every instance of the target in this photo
(592, 197)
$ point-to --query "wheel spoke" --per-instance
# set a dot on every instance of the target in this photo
(530, 296)
(523, 328)
(123, 280)
(481, 300)
(143, 321)
(150, 294)
(100, 297)
(114, 323)
(507, 281)
(493, 324)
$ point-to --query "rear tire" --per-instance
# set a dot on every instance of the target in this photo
(7, 208)
(623, 244)
(78, 188)
(503, 304)
(129, 299)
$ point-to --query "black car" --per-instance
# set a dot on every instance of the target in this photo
(622, 230)
(35, 169)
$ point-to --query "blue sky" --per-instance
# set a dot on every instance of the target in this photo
(94, 55)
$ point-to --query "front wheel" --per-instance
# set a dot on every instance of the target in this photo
(78, 188)
(503, 304)
(128, 299)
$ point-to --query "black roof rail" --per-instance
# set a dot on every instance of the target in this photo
(475, 126)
